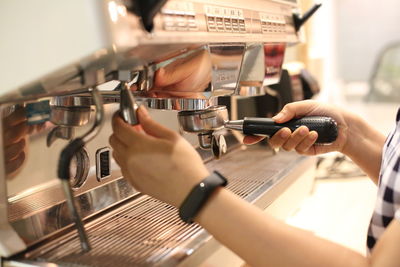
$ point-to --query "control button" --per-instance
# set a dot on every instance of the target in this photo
(103, 163)
(211, 24)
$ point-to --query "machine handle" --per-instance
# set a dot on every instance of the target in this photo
(326, 127)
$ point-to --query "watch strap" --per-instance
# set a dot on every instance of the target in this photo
(199, 196)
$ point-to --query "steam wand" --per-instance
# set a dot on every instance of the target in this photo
(64, 166)
(299, 21)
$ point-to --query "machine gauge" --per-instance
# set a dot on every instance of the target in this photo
(79, 169)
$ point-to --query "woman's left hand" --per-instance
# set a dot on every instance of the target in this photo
(156, 160)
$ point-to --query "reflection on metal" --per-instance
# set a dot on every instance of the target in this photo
(183, 65)
(64, 167)
(274, 56)
(252, 71)
(210, 119)
(205, 140)
(251, 90)
(226, 60)
(153, 234)
(67, 113)
(70, 116)
(60, 132)
(178, 103)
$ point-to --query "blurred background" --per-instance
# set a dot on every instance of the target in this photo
(344, 44)
(352, 48)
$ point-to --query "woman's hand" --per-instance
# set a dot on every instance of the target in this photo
(302, 140)
(156, 160)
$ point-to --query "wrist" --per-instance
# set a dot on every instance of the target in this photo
(350, 125)
(200, 195)
(360, 136)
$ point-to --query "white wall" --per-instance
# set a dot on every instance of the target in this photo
(364, 28)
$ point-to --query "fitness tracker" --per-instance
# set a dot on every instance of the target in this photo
(199, 195)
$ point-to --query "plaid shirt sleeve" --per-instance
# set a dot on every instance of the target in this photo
(388, 200)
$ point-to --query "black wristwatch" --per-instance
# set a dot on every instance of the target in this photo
(199, 195)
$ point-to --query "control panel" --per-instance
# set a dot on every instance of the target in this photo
(272, 19)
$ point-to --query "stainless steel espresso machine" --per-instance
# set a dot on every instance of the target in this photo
(68, 66)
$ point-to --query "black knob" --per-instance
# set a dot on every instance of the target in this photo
(146, 10)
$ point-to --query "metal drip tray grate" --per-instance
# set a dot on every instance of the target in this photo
(140, 234)
(147, 232)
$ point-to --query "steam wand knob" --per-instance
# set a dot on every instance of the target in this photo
(128, 105)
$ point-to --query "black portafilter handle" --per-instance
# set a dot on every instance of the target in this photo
(326, 127)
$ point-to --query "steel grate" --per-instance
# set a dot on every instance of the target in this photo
(146, 231)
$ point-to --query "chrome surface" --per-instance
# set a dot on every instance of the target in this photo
(251, 90)
(152, 233)
(118, 42)
(70, 116)
(66, 185)
(234, 125)
(76, 218)
(210, 119)
(65, 133)
(99, 116)
(205, 140)
(179, 103)
(252, 71)
(198, 50)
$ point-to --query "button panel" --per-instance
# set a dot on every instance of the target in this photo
(223, 19)
(179, 16)
(271, 23)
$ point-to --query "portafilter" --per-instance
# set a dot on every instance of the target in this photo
(216, 118)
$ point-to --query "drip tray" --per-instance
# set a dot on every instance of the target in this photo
(147, 232)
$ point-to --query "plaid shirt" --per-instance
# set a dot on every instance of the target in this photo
(388, 201)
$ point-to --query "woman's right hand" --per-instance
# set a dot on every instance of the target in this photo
(302, 140)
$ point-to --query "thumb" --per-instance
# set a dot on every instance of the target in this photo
(153, 128)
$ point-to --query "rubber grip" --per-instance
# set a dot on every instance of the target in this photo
(326, 127)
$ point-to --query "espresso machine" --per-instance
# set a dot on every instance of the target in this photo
(68, 66)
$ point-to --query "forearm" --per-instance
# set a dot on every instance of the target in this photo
(262, 240)
(364, 145)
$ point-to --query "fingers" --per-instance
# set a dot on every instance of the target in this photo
(117, 145)
(301, 140)
(125, 132)
(307, 142)
(279, 138)
(252, 139)
(152, 127)
(294, 110)
(295, 138)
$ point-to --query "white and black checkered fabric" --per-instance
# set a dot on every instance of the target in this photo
(388, 201)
